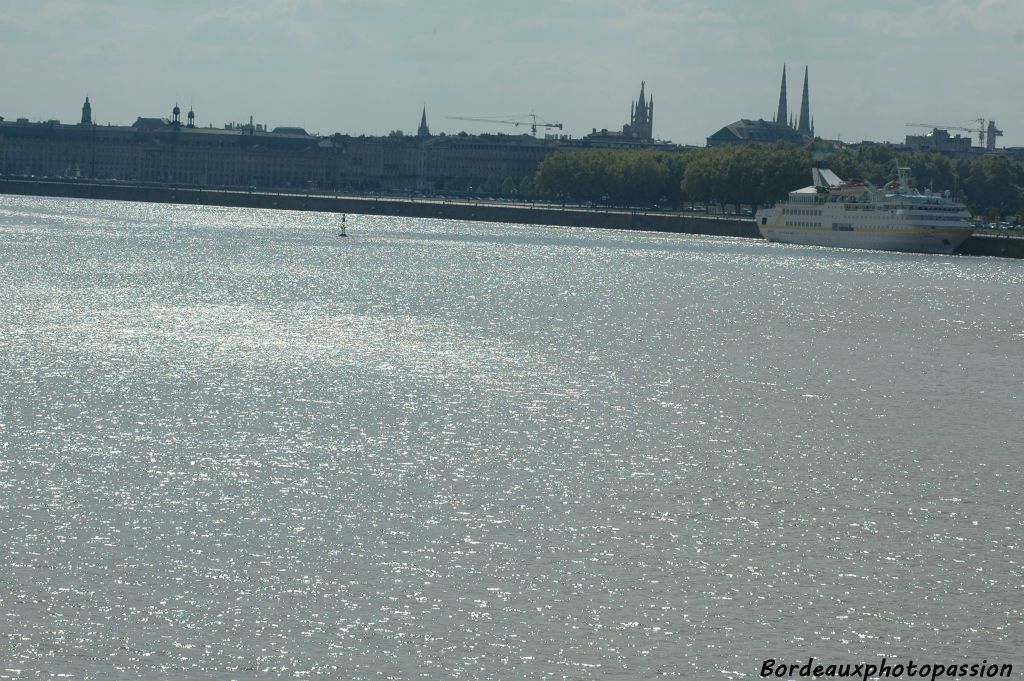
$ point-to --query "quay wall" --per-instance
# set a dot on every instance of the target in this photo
(993, 245)
(530, 214)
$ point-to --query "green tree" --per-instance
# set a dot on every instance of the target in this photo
(751, 174)
(993, 186)
(526, 186)
(758, 174)
(508, 187)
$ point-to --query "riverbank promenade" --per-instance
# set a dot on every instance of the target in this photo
(985, 243)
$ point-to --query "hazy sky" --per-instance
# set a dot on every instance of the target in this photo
(368, 66)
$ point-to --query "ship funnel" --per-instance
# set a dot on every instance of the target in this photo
(830, 178)
(823, 177)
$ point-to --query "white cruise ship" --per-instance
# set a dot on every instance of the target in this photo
(855, 214)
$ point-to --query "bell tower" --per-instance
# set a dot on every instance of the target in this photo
(641, 116)
(87, 112)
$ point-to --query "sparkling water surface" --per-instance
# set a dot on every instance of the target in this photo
(234, 445)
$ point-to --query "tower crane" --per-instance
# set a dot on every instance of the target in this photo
(990, 130)
(532, 122)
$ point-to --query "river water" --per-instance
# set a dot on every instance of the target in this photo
(235, 445)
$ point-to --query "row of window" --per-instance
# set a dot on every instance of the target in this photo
(930, 218)
(890, 207)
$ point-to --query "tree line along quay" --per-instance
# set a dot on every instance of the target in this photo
(992, 186)
(642, 189)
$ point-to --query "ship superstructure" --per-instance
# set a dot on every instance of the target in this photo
(856, 214)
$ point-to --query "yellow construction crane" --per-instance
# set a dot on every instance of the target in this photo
(532, 122)
(990, 130)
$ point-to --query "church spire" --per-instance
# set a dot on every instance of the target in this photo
(782, 115)
(423, 130)
(804, 126)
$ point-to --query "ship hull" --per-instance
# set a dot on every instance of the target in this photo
(943, 241)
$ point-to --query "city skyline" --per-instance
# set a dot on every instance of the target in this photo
(369, 68)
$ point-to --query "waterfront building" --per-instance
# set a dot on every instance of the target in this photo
(940, 140)
(164, 150)
(249, 155)
(476, 163)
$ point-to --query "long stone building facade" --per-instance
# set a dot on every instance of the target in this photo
(169, 150)
(176, 151)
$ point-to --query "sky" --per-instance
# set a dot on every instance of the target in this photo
(370, 66)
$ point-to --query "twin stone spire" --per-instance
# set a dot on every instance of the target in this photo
(804, 125)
